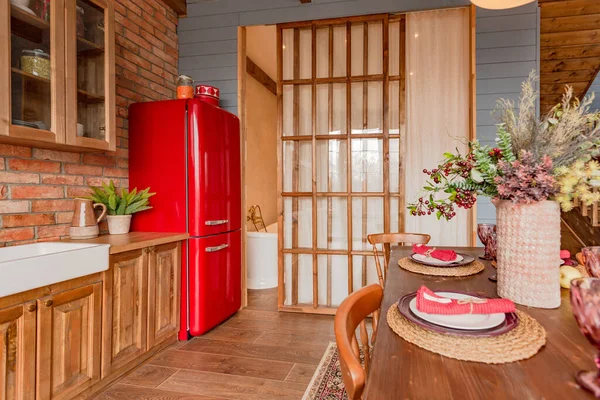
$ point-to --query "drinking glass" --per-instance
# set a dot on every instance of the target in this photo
(591, 257)
(585, 302)
(485, 232)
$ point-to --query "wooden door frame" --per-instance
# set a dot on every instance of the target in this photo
(242, 117)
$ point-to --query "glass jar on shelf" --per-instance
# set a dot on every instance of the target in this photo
(185, 87)
(36, 62)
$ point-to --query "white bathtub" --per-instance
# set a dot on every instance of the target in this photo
(262, 258)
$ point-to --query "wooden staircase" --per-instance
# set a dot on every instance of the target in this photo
(569, 48)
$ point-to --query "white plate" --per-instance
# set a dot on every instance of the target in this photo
(435, 261)
(471, 322)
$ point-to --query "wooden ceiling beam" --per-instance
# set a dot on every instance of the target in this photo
(179, 6)
(305, 1)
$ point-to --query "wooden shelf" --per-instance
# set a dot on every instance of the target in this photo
(87, 48)
(27, 26)
(82, 95)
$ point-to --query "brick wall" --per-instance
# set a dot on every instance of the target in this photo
(37, 185)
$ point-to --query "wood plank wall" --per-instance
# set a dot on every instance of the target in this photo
(507, 45)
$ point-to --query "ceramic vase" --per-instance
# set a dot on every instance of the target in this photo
(118, 224)
(528, 251)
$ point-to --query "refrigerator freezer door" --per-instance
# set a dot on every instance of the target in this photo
(214, 170)
(157, 159)
(215, 280)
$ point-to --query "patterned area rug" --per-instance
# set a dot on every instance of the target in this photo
(327, 383)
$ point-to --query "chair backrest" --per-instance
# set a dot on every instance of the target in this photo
(350, 314)
(386, 239)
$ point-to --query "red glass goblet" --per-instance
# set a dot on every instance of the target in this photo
(591, 257)
(485, 232)
(585, 302)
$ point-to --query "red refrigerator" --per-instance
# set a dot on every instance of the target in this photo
(188, 152)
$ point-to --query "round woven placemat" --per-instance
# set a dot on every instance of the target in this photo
(470, 269)
(521, 343)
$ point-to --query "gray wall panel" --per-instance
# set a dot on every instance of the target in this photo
(507, 46)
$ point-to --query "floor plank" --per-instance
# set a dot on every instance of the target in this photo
(126, 392)
(301, 373)
(300, 326)
(148, 376)
(233, 334)
(265, 299)
(223, 364)
(232, 387)
(291, 339)
(304, 354)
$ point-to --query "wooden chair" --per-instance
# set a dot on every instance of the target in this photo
(351, 314)
(386, 239)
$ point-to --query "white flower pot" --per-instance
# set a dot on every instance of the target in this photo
(118, 224)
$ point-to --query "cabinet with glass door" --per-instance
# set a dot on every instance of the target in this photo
(57, 82)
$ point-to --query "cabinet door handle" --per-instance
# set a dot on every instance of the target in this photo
(31, 307)
(216, 248)
(48, 303)
(216, 222)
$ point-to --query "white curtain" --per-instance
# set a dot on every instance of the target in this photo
(437, 72)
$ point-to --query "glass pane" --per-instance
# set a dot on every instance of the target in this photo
(367, 218)
(333, 279)
(300, 109)
(90, 70)
(357, 40)
(364, 272)
(331, 121)
(302, 280)
(394, 51)
(322, 52)
(305, 54)
(367, 107)
(394, 165)
(367, 165)
(31, 70)
(375, 48)
(394, 107)
(297, 222)
(332, 223)
(339, 50)
(297, 166)
(332, 165)
(288, 53)
(394, 212)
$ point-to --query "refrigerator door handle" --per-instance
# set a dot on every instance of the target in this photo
(217, 222)
(212, 249)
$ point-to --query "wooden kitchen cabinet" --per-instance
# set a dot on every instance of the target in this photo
(58, 75)
(163, 292)
(125, 310)
(68, 342)
(17, 352)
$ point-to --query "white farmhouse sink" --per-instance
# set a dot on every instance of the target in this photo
(31, 266)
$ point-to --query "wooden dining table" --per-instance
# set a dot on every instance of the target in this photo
(401, 370)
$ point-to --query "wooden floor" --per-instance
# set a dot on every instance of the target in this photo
(258, 353)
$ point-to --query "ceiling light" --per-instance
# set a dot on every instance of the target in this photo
(500, 4)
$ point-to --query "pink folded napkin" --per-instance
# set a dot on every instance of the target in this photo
(430, 303)
(444, 255)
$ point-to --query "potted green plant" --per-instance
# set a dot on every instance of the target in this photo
(120, 204)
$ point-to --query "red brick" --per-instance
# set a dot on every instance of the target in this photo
(153, 77)
(51, 231)
(122, 163)
(96, 181)
(126, 64)
(170, 41)
(97, 159)
(123, 42)
(51, 205)
(53, 155)
(17, 164)
(75, 191)
(16, 220)
(19, 177)
(137, 60)
(116, 172)
(64, 217)
(8, 206)
(127, 23)
(169, 25)
(3, 192)
(151, 57)
(122, 153)
(172, 51)
(151, 38)
(37, 192)
(62, 179)
(1, 163)
(77, 169)
(15, 151)
(11, 235)
(137, 39)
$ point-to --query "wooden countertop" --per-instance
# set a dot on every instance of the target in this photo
(134, 240)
